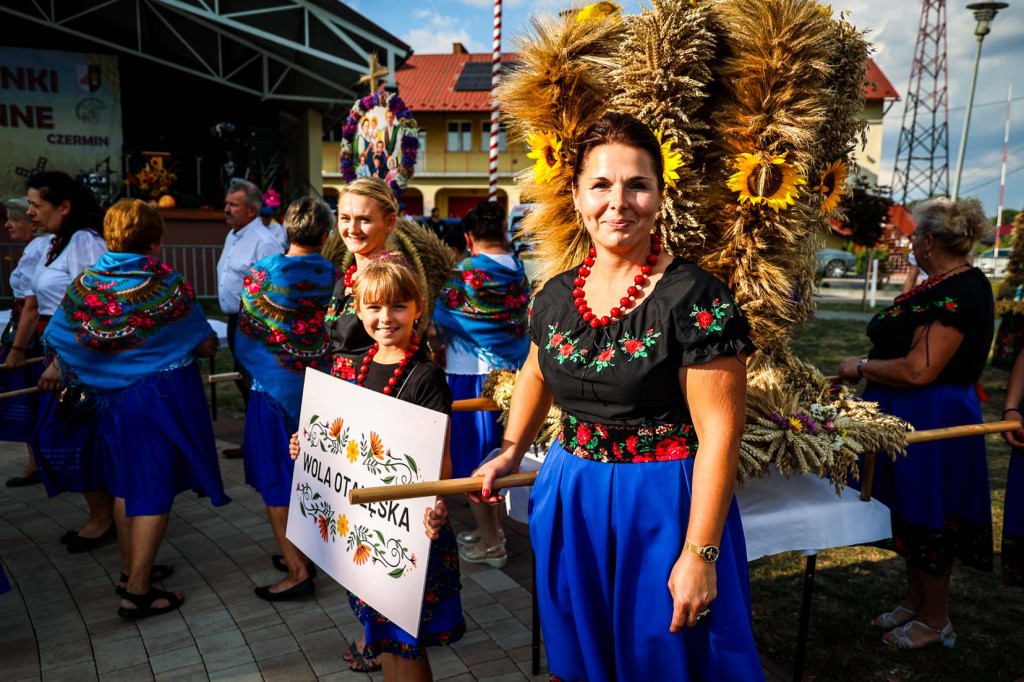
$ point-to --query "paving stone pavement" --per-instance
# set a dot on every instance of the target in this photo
(60, 622)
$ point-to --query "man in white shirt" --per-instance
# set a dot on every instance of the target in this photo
(247, 242)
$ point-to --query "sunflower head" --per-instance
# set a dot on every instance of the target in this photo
(671, 159)
(766, 179)
(832, 186)
(597, 11)
(546, 149)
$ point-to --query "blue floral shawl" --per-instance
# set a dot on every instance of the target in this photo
(281, 324)
(123, 319)
(482, 309)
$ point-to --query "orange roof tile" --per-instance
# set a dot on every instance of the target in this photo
(426, 82)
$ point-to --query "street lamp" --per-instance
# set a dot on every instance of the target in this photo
(984, 13)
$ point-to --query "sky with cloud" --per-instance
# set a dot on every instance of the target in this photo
(431, 26)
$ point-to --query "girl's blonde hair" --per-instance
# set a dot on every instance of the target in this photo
(374, 188)
(386, 280)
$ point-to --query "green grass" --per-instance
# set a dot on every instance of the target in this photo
(854, 584)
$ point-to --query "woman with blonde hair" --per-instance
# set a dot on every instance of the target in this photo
(18, 415)
(928, 351)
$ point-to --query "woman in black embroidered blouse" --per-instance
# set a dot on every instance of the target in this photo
(626, 521)
(928, 351)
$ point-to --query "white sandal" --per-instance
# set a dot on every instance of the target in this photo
(469, 537)
(489, 556)
(947, 637)
(888, 621)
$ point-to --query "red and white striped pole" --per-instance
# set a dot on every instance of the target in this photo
(495, 76)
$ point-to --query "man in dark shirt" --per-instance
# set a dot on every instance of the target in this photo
(434, 224)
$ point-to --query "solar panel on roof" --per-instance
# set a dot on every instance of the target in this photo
(474, 76)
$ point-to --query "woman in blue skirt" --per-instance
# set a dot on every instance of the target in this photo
(1013, 510)
(641, 560)
(481, 316)
(124, 341)
(18, 415)
(281, 333)
(928, 351)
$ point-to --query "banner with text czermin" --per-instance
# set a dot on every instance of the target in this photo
(58, 111)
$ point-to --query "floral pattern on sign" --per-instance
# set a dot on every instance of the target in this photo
(371, 545)
(709, 320)
(332, 436)
(313, 506)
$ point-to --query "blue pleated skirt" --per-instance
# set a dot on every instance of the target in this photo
(939, 492)
(605, 537)
(441, 620)
(1013, 523)
(474, 434)
(155, 440)
(66, 451)
(268, 466)
(18, 416)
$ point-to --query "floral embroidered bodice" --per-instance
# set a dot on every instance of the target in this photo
(627, 373)
(963, 301)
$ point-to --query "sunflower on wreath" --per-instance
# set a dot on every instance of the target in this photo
(832, 186)
(546, 149)
(671, 160)
(766, 179)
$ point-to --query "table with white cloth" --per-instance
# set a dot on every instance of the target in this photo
(799, 514)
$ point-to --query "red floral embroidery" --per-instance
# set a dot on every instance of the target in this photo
(556, 339)
(671, 448)
(583, 434)
(605, 355)
(704, 319)
(633, 345)
(566, 349)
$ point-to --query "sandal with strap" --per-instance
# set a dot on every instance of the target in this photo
(361, 663)
(901, 640)
(887, 621)
(144, 604)
(495, 556)
(157, 574)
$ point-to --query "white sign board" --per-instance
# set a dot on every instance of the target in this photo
(352, 437)
(58, 111)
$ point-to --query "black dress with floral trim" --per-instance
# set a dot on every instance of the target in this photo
(349, 340)
(624, 378)
(944, 481)
(442, 623)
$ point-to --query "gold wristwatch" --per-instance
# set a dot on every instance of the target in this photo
(708, 553)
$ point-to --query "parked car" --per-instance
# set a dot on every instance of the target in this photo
(992, 266)
(835, 263)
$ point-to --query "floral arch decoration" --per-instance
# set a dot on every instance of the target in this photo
(380, 137)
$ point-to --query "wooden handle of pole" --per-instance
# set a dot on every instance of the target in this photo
(475, 405)
(227, 376)
(30, 361)
(465, 485)
(20, 391)
(429, 488)
(934, 434)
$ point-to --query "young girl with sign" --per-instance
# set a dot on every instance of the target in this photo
(389, 302)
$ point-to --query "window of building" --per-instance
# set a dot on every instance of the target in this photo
(460, 136)
(421, 155)
(485, 138)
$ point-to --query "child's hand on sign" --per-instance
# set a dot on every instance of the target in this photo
(434, 518)
(293, 446)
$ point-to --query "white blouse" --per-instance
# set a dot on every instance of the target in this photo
(51, 281)
(33, 256)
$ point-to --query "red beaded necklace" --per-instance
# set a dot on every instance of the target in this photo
(929, 283)
(349, 275)
(626, 302)
(414, 346)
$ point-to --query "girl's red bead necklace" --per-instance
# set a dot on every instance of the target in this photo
(414, 346)
(350, 275)
(626, 302)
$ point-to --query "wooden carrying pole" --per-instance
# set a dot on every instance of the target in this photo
(467, 485)
(220, 378)
(30, 361)
(19, 392)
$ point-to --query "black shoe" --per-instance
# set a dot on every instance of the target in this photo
(22, 481)
(68, 537)
(232, 453)
(279, 564)
(306, 588)
(80, 544)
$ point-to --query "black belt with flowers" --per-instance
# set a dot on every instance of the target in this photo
(618, 444)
